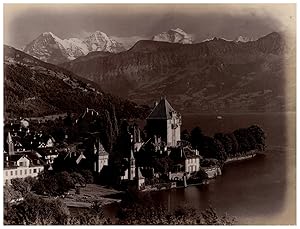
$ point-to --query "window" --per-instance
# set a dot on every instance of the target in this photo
(34, 170)
(21, 164)
(16, 172)
(6, 173)
(25, 171)
(29, 171)
(11, 173)
(20, 172)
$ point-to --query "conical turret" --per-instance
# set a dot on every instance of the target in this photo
(10, 143)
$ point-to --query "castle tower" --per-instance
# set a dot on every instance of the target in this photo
(102, 156)
(10, 143)
(164, 122)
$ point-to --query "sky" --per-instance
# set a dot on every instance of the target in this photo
(24, 22)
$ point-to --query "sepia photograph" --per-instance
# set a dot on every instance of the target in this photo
(149, 114)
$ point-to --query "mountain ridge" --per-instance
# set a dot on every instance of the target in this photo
(35, 88)
(50, 48)
(205, 77)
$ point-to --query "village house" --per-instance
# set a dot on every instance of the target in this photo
(21, 165)
(186, 160)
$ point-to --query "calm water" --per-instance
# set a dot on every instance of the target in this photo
(258, 191)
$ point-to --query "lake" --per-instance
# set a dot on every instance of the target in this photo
(257, 191)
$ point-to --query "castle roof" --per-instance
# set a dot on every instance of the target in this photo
(163, 110)
(100, 149)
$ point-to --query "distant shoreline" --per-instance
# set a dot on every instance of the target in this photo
(239, 113)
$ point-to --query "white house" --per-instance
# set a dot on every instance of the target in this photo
(188, 160)
(20, 166)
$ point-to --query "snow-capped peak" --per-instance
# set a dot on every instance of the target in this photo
(100, 41)
(50, 48)
(243, 39)
(47, 33)
(178, 30)
(174, 36)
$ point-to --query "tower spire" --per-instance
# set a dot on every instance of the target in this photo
(10, 143)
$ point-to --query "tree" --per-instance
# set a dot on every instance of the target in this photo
(92, 216)
(196, 137)
(212, 148)
(219, 151)
(185, 135)
(77, 178)
(68, 122)
(123, 144)
(147, 211)
(46, 184)
(225, 140)
(259, 136)
(234, 144)
(20, 185)
(34, 210)
(162, 164)
(11, 194)
(250, 138)
(88, 176)
(64, 181)
(242, 138)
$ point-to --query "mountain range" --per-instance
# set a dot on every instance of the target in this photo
(35, 88)
(212, 76)
(50, 48)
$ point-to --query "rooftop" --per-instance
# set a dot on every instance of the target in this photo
(100, 149)
(163, 110)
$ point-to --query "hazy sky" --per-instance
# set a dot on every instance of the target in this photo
(24, 22)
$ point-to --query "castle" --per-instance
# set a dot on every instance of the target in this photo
(164, 122)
